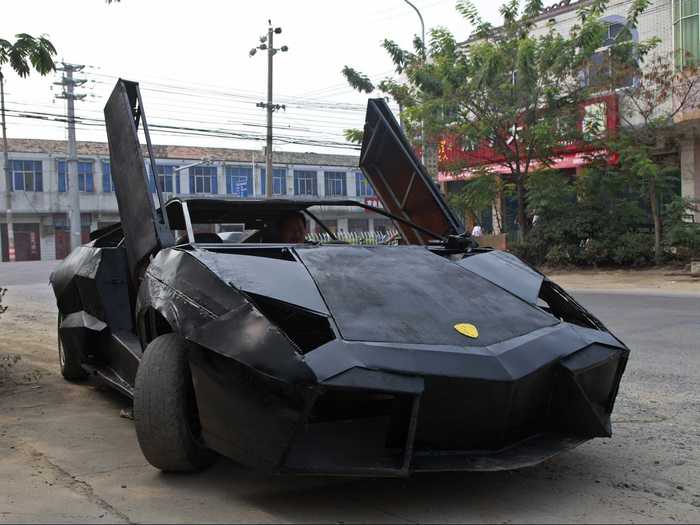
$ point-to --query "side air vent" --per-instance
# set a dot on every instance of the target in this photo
(560, 304)
(306, 329)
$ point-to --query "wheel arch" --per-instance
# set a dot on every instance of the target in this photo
(151, 324)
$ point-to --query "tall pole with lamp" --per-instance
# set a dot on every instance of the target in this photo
(267, 44)
(422, 27)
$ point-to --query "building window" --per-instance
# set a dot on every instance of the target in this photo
(362, 186)
(358, 225)
(305, 182)
(331, 224)
(239, 181)
(686, 37)
(168, 179)
(107, 183)
(26, 175)
(279, 181)
(605, 67)
(86, 181)
(383, 225)
(336, 183)
(203, 179)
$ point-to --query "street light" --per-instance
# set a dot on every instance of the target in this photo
(422, 24)
(422, 28)
(205, 161)
(266, 44)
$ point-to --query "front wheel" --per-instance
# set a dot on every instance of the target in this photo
(165, 410)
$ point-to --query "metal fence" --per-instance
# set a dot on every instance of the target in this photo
(365, 238)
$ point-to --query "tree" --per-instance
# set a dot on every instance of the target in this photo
(477, 195)
(512, 88)
(649, 108)
(25, 54)
(587, 219)
(406, 94)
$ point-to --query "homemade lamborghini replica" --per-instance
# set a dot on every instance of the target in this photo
(330, 358)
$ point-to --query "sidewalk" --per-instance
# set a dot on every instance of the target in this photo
(658, 280)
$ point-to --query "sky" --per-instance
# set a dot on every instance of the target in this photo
(192, 61)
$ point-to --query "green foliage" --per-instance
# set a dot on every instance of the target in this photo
(590, 220)
(681, 236)
(505, 86)
(357, 80)
(648, 109)
(477, 195)
(354, 135)
(549, 192)
(28, 52)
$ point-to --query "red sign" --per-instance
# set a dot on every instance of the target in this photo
(603, 111)
(567, 160)
(373, 201)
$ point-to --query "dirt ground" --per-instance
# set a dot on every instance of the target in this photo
(667, 279)
(66, 455)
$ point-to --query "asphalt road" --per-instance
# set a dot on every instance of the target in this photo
(67, 456)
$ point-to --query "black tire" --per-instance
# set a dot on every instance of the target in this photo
(69, 359)
(165, 411)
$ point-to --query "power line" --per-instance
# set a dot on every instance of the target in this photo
(237, 94)
(223, 120)
(186, 130)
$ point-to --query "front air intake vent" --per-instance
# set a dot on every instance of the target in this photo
(306, 329)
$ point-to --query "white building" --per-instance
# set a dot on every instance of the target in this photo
(676, 24)
(40, 201)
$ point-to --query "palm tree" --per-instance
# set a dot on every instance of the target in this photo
(25, 54)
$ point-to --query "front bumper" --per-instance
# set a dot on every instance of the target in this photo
(389, 410)
(373, 423)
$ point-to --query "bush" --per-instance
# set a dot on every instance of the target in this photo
(682, 238)
(588, 221)
(558, 255)
(528, 252)
(634, 249)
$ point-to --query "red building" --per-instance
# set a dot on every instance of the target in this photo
(603, 111)
(600, 114)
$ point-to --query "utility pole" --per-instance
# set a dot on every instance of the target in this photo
(266, 43)
(8, 178)
(69, 83)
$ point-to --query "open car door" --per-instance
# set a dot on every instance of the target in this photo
(400, 179)
(146, 229)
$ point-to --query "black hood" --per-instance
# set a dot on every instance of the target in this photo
(384, 293)
(410, 295)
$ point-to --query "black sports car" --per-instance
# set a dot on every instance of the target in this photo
(432, 354)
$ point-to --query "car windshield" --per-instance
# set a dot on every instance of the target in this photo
(287, 222)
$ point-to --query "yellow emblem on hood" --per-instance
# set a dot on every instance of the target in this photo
(467, 329)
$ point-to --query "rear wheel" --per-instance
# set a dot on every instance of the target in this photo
(165, 410)
(69, 358)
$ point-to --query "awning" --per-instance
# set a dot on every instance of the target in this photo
(565, 161)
